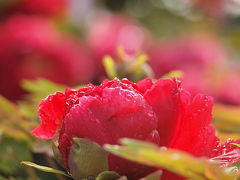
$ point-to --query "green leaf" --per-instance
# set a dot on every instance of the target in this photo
(7, 107)
(41, 88)
(44, 168)
(36, 85)
(175, 161)
(87, 159)
(174, 74)
(140, 60)
(238, 145)
(108, 175)
(226, 118)
(10, 117)
(109, 66)
(12, 152)
(139, 68)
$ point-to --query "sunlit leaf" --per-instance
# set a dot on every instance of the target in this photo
(109, 66)
(225, 136)
(174, 74)
(238, 145)
(175, 161)
(10, 117)
(6, 107)
(44, 168)
(227, 118)
(139, 68)
(140, 60)
(41, 88)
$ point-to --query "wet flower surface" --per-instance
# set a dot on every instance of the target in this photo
(160, 112)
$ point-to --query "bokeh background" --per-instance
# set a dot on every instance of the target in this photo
(74, 42)
(65, 41)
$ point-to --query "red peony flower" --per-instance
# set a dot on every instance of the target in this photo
(31, 47)
(44, 7)
(160, 112)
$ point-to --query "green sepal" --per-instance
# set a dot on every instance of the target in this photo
(108, 175)
(87, 159)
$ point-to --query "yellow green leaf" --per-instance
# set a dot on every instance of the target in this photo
(44, 168)
(174, 74)
(227, 118)
(10, 117)
(238, 145)
(175, 161)
(109, 66)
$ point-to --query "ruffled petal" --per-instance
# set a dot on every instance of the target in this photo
(128, 115)
(168, 101)
(227, 153)
(193, 133)
(145, 84)
(51, 112)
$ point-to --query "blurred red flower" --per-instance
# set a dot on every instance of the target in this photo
(160, 112)
(31, 47)
(212, 7)
(108, 32)
(202, 59)
(188, 52)
(43, 7)
(231, 83)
